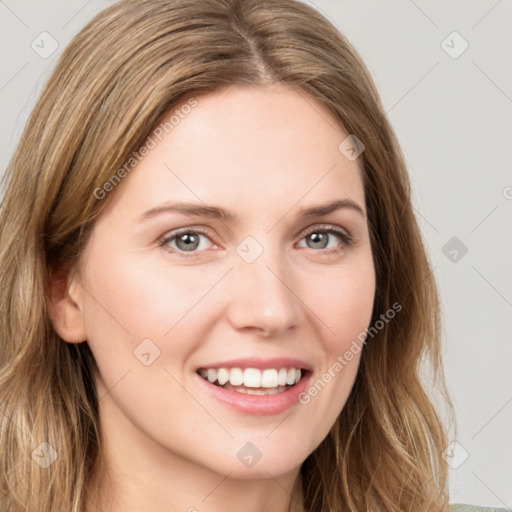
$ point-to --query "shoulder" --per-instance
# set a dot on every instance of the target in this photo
(457, 507)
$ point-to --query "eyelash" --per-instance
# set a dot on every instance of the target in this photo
(347, 240)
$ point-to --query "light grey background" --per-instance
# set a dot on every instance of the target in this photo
(452, 113)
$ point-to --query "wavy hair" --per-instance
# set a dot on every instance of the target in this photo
(111, 85)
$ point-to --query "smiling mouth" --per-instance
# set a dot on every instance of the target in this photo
(253, 381)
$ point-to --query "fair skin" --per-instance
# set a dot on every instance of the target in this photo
(263, 154)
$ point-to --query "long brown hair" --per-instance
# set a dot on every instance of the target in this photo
(116, 78)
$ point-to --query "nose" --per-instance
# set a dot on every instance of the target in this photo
(262, 297)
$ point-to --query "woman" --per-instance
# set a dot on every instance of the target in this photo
(215, 294)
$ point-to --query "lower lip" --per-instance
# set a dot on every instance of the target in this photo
(258, 405)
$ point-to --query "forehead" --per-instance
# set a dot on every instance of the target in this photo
(253, 147)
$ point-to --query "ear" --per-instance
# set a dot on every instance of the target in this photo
(64, 300)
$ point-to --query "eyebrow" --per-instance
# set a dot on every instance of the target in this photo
(203, 210)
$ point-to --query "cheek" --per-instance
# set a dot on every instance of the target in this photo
(138, 309)
(344, 305)
(344, 301)
(146, 299)
(135, 309)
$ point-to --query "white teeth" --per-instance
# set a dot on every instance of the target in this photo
(269, 379)
(290, 378)
(281, 378)
(222, 376)
(236, 376)
(250, 391)
(252, 378)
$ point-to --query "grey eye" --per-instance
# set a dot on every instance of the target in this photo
(187, 241)
(319, 239)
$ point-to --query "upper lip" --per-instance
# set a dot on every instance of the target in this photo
(261, 364)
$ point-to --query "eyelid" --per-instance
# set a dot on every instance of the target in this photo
(328, 227)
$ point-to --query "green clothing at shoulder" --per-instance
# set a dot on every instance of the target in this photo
(472, 508)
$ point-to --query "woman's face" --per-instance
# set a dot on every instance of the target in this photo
(242, 279)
